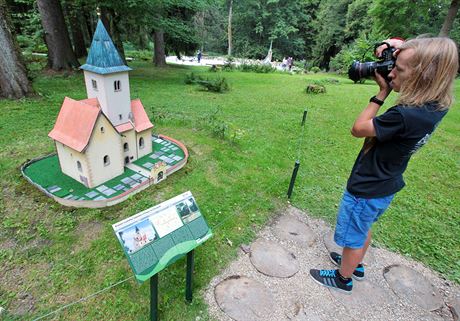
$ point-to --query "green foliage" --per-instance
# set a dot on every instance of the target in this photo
(409, 19)
(26, 20)
(146, 55)
(315, 89)
(217, 85)
(330, 27)
(315, 69)
(287, 23)
(258, 68)
(362, 49)
(192, 78)
(229, 64)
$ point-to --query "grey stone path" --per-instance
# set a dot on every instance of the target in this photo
(271, 281)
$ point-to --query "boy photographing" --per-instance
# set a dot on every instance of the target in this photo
(423, 75)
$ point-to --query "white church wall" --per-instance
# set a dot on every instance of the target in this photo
(68, 160)
(113, 94)
(104, 141)
(129, 137)
(147, 136)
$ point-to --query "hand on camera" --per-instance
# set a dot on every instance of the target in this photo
(393, 42)
(384, 86)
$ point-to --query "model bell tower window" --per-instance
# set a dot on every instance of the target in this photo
(117, 85)
(94, 83)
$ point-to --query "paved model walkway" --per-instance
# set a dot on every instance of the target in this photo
(270, 281)
(138, 169)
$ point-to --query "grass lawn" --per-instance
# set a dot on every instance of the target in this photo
(242, 145)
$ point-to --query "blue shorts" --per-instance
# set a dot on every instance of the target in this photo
(355, 218)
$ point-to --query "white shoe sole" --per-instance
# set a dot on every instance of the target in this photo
(331, 287)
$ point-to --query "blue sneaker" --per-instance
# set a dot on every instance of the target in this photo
(331, 279)
(358, 273)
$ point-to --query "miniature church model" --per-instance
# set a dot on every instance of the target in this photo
(96, 137)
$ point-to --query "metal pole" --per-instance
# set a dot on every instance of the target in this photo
(189, 277)
(154, 298)
(297, 162)
(293, 177)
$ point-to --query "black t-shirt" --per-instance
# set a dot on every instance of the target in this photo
(400, 132)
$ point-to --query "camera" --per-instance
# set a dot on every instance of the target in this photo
(383, 66)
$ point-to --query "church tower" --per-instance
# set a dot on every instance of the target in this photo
(107, 79)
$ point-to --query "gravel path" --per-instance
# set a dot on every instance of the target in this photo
(299, 298)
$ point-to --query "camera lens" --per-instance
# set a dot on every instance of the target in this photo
(360, 70)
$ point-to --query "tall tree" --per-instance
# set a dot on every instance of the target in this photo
(78, 39)
(287, 23)
(159, 57)
(408, 18)
(330, 26)
(229, 30)
(13, 75)
(449, 21)
(60, 52)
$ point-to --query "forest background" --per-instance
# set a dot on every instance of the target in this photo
(327, 34)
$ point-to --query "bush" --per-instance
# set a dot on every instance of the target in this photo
(191, 79)
(217, 85)
(229, 64)
(213, 68)
(258, 68)
(315, 69)
(145, 55)
(315, 89)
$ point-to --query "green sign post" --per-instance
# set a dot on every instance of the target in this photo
(157, 237)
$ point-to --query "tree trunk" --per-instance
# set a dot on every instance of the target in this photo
(449, 20)
(88, 27)
(159, 57)
(13, 75)
(230, 13)
(60, 53)
(78, 39)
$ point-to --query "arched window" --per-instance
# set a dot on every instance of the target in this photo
(102, 130)
(106, 160)
(141, 142)
(125, 147)
(117, 85)
(94, 83)
(79, 166)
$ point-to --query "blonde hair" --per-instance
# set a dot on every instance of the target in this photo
(434, 67)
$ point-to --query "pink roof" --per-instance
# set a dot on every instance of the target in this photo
(141, 120)
(124, 127)
(75, 122)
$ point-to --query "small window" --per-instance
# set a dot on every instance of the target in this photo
(117, 85)
(141, 142)
(94, 82)
(106, 160)
(125, 147)
(79, 166)
(120, 116)
(102, 130)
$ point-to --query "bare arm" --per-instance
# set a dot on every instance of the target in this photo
(363, 126)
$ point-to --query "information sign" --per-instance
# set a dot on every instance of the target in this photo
(160, 235)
